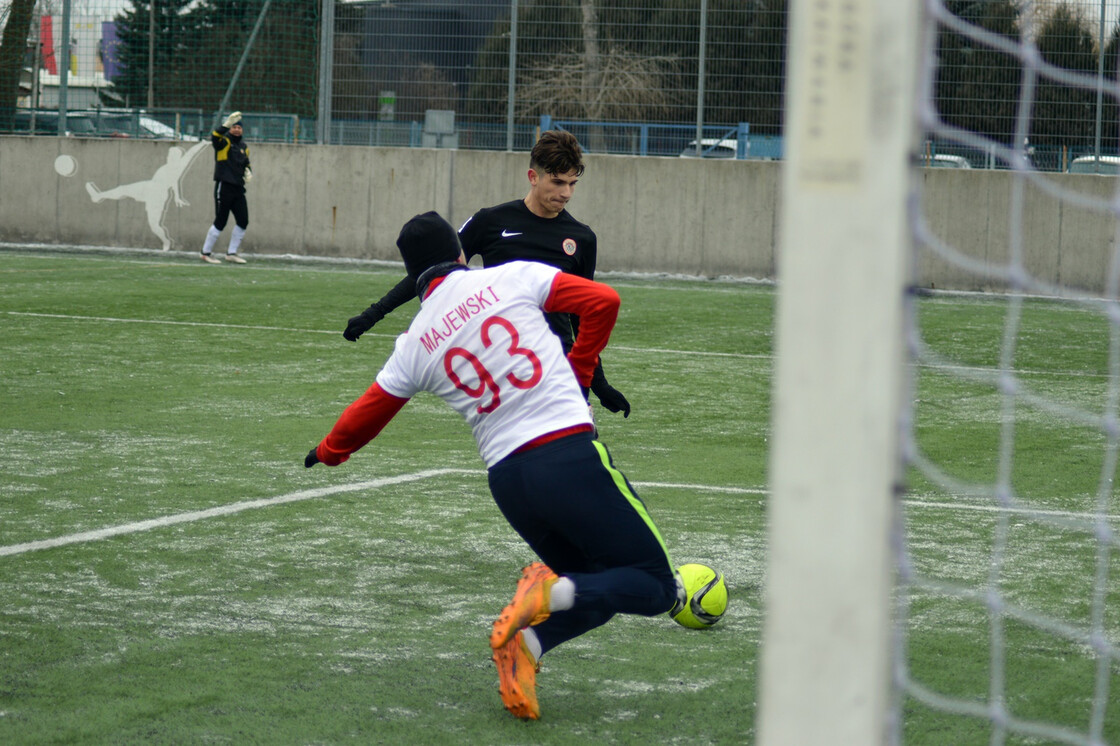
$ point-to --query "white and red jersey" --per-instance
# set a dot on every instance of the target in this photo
(481, 343)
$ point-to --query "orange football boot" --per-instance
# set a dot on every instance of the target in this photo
(517, 678)
(529, 605)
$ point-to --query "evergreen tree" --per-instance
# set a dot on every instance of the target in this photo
(354, 92)
(198, 47)
(977, 86)
(1110, 99)
(13, 49)
(745, 59)
(134, 30)
(1064, 115)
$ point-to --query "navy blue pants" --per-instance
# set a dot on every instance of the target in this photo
(584, 520)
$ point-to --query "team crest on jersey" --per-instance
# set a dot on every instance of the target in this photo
(569, 246)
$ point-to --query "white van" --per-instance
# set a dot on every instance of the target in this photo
(711, 147)
(942, 160)
(1106, 165)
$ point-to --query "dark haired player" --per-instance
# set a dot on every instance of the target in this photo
(537, 228)
(481, 344)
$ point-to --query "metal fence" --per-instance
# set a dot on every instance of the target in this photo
(498, 65)
(643, 77)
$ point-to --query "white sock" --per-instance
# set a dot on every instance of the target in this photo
(211, 239)
(563, 595)
(235, 239)
(532, 643)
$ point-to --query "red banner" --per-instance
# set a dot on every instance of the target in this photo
(46, 40)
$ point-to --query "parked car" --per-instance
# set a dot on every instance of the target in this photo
(1108, 165)
(126, 124)
(944, 160)
(156, 128)
(46, 123)
(107, 124)
(103, 126)
(711, 147)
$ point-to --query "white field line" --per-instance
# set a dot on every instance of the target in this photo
(166, 322)
(217, 325)
(908, 502)
(224, 510)
(621, 348)
(913, 503)
(262, 262)
(198, 515)
(702, 488)
(738, 355)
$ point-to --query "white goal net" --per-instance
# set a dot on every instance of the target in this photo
(944, 513)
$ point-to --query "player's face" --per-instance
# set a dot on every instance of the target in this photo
(550, 192)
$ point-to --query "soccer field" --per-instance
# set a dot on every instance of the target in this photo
(1013, 610)
(170, 573)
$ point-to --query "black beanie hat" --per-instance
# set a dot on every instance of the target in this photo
(425, 241)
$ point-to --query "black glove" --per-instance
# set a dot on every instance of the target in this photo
(610, 397)
(312, 457)
(360, 324)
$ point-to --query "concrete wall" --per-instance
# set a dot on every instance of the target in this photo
(651, 214)
(1066, 229)
(672, 215)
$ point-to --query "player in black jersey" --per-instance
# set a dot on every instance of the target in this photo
(537, 228)
(232, 172)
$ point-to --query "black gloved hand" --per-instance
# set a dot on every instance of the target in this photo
(362, 323)
(610, 397)
(312, 457)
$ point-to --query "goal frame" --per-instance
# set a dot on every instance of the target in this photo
(840, 372)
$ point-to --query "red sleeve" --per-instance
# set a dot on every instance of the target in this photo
(359, 424)
(597, 306)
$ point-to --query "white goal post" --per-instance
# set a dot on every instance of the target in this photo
(839, 379)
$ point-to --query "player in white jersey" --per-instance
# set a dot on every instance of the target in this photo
(481, 343)
(477, 346)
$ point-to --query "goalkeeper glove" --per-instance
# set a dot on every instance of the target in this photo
(360, 324)
(232, 119)
(312, 457)
(248, 175)
(610, 397)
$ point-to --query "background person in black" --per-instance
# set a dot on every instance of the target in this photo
(231, 174)
(537, 228)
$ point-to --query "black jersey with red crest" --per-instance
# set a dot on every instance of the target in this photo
(511, 232)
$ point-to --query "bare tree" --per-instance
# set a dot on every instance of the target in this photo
(592, 78)
(593, 71)
(616, 85)
(599, 80)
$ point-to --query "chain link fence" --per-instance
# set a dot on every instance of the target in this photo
(618, 65)
(628, 76)
(984, 56)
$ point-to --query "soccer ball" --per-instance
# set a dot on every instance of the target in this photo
(701, 596)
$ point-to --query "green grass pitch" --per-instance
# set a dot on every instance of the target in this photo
(170, 573)
(351, 605)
